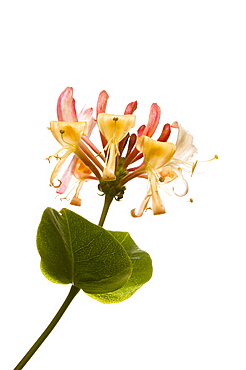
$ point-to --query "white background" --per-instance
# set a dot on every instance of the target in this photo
(189, 57)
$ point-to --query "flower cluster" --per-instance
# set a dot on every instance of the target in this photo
(124, 155)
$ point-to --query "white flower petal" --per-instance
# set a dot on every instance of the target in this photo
(184, 145)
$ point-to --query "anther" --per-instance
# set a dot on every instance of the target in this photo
(62, 132)
(196, 162)
(208, 160)
(162, 179)
(215, 157)
(193, 167)
(115, 119)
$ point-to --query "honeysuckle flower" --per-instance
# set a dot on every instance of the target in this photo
(66, 111)
(68, 131)
(114, 128)
(163, 162)
(147, 130)
(68, 134)
(180, 161)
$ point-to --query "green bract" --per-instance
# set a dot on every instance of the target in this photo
(106, 265)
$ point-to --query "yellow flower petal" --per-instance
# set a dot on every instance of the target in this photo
(157, 206)
(156, 153)
(115, 127)
(68, 133)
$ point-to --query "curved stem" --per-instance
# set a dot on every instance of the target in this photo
(107, 201)
(72, 293)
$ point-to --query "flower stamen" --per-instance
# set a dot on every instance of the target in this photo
(196, 162)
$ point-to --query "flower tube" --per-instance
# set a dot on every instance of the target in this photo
(114, 128)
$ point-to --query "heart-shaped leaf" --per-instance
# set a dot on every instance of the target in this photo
(74, 250)
(141, 273)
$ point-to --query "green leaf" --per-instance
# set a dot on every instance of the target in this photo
(141, 273)
(74, 250)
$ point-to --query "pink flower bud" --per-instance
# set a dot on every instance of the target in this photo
(66, 111)
(102, 102)
(131, 107)
(154, 118)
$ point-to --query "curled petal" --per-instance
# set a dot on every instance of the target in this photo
(143, 206)
(186, 189)
(59, 165)
(66, 106)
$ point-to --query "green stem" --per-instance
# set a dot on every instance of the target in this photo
(107, 201)
(72, 293)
